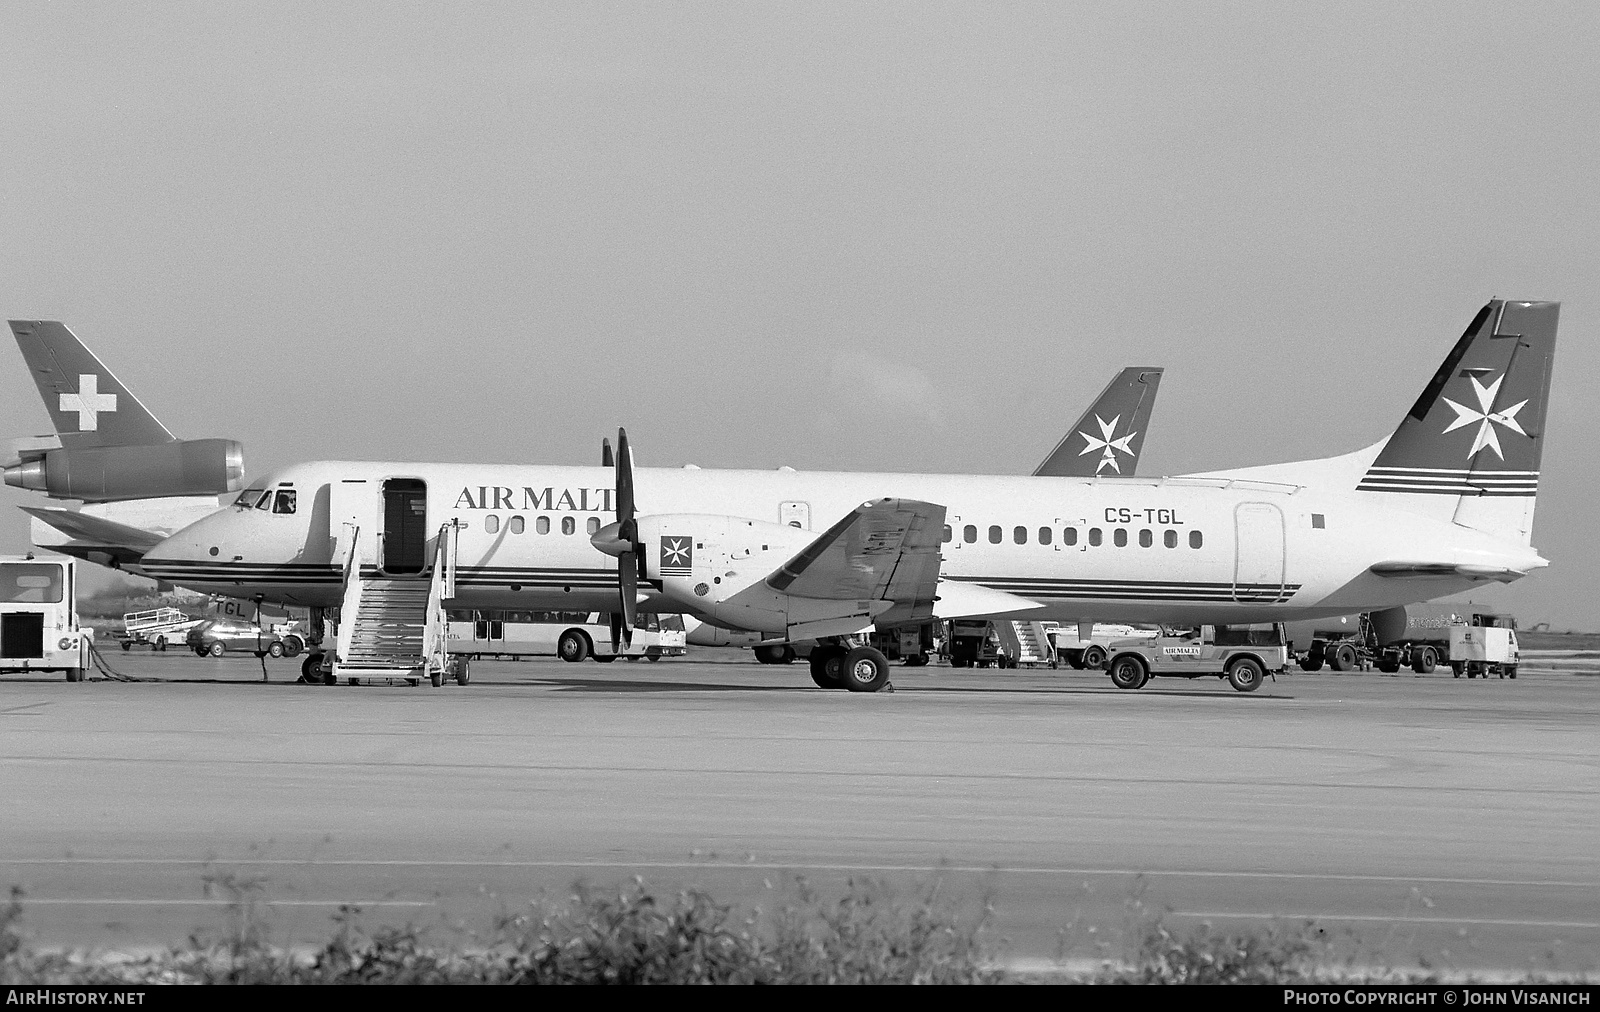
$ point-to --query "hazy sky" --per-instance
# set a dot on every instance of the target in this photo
(865, 236)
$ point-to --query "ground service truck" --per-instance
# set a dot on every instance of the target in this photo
(1418, 636)
(39, 628)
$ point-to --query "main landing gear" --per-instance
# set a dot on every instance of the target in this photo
(859, 669)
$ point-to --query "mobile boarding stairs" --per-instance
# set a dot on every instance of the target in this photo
(394, 627)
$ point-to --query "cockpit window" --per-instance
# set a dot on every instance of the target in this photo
(265, 503)
(284, 503)
(248, 498)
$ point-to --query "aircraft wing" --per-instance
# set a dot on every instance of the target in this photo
(1493, 574)
(886, 550)
(96, 531)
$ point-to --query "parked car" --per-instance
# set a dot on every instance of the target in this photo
(217, 636)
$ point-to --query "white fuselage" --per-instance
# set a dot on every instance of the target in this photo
(1195, 548)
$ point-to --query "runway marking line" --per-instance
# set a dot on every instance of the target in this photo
(34, 901)
(1385, 919)
(797, 866)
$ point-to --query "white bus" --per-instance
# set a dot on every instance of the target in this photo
(569, 635)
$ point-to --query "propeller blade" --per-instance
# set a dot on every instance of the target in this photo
(628, 578)
(624, 481)
(606, 460)
(616, 632)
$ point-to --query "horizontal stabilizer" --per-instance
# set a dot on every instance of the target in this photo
(1412, 570)
(96, 530)
(960, 599)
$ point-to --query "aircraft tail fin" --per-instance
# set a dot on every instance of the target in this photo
(87, 403)
(1469, 449)
(1111, 431)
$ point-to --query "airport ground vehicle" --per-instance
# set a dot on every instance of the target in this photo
(1073, 647)
(1418, 636)
(222, 634)
(570, 635)
(1482, 649)
(979, 644)
(156, 628)
(1243, 654)
(39, 628)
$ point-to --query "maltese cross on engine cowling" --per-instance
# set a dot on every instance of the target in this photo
(1108, 445)
(677, 556)
(1486, 419)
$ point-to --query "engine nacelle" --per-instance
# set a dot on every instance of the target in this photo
(110, 473)
(718, 565)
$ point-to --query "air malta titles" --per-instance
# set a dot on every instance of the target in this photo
(498, 497)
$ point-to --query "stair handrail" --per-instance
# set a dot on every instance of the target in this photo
(441, 587)
(352, 593)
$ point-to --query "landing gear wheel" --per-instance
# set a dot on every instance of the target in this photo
(572, 647)
(1129, 672)
(1424, 661)
(865, 670)
(775, 653)
(74, 674)
(827, 667)
(275, 651)
(1245, 674)
(463, 670)
(217, 649)
(1094, 657)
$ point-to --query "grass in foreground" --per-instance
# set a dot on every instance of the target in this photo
(630, 935)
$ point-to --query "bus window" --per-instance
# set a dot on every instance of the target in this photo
(284, 503)
(31, 583)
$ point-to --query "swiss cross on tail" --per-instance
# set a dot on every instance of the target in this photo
(677, 556)
(88, 402)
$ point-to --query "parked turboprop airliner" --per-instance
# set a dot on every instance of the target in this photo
(1446, 505)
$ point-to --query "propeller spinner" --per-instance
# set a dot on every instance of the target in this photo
(621, 540)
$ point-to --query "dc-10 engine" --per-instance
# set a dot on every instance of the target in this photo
(181, 467)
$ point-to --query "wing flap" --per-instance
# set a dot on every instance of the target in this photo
(887, 549)
(1414, 570)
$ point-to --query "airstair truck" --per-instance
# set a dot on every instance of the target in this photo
(39, 628)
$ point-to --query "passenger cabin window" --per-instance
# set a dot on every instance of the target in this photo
(542, 525)
(568, 525)
(949, 535)
(969, 534)
(1069, 536)
(1146, 539)
(1170, 539)
(491, 523)
(516, 525)
(1044, 535)
(593, 526)
(284, 503)
(994, 535)
(1095, 537)
(1020, 535)
(1120, 537)
(1195, 539)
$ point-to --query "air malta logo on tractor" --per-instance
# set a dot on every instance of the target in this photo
(499, 497)
(88, 402)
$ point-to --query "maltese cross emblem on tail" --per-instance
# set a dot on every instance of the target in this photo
(1107, 446)
(1486, 419)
